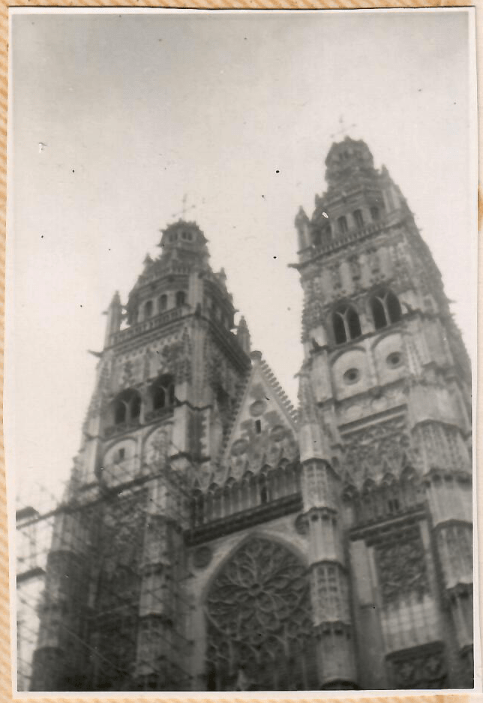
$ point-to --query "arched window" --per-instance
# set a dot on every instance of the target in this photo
(163, 303)
(180, 298)
(263, 490)
(162, 392)
(358, 218)
(375, 214)
(393, 307)
(342, 223)
(127, 406)
(346, 324)
(386, 309)
(148, 309)
(270, 647)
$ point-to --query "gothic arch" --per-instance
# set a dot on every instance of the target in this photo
(386, 333)
(258, 619)
(343, 352)
(345, 323)
(118, 441)
(162, 392)
(385, 308)
(126, 406)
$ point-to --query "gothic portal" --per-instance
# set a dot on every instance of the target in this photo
(213, 538)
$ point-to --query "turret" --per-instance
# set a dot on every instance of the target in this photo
(302, 225)
(114, 317)
(243, 335)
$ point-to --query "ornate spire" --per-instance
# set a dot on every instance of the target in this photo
(302, 225)
(243, 335)
(114, 317)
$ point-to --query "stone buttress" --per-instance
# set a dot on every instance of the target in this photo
(385, 427)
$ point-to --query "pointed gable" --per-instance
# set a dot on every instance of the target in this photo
(263, 431)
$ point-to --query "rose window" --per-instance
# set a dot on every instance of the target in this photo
(259, 621)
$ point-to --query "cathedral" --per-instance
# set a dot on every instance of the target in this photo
(214, 538)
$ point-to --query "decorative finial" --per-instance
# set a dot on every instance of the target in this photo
(301, 217)
(243, 335)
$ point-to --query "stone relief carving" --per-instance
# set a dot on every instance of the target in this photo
(330, 594)
(355, 268)
(158, 445)
(378, 449)
(336, 278)
(129, 373)
(373, 260)
(171, 358)
(402, 570)
(421, 667)
(401, 267)
(301, 525)
(274, 442)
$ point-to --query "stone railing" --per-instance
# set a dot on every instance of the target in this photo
(340, 240)
(252, 491)
(147, 325)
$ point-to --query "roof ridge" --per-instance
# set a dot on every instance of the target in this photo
(234, 412)
(283, 397)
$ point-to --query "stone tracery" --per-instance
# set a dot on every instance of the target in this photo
(259, 617)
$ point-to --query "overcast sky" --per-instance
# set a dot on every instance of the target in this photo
(236, 110)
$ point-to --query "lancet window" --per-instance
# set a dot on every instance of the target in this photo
(162, 392)
(386, 309)
(342, 223)
(358, 218)
(127, 406)
(148, 309)
(163, 303)
(346, 324)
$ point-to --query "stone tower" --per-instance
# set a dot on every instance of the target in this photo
(115, 611)
(384, 435)
(211, 537)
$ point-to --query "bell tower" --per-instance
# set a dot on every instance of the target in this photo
(384, 437)
(167, 378)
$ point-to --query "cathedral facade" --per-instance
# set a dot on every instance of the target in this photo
(214, 538)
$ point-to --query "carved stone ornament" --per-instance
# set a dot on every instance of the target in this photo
(302, 525)
(374, 451)
(420, 667)
(202, 557)
(402, 570)
(259, 617)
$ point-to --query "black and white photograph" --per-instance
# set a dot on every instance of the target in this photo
(241, 350)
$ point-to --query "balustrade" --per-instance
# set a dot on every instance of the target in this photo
(386, 501)
(148, 325)
(249, 492)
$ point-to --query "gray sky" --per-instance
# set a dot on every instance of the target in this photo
(236, 110)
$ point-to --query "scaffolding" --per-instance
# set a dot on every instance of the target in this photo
(102, 603)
